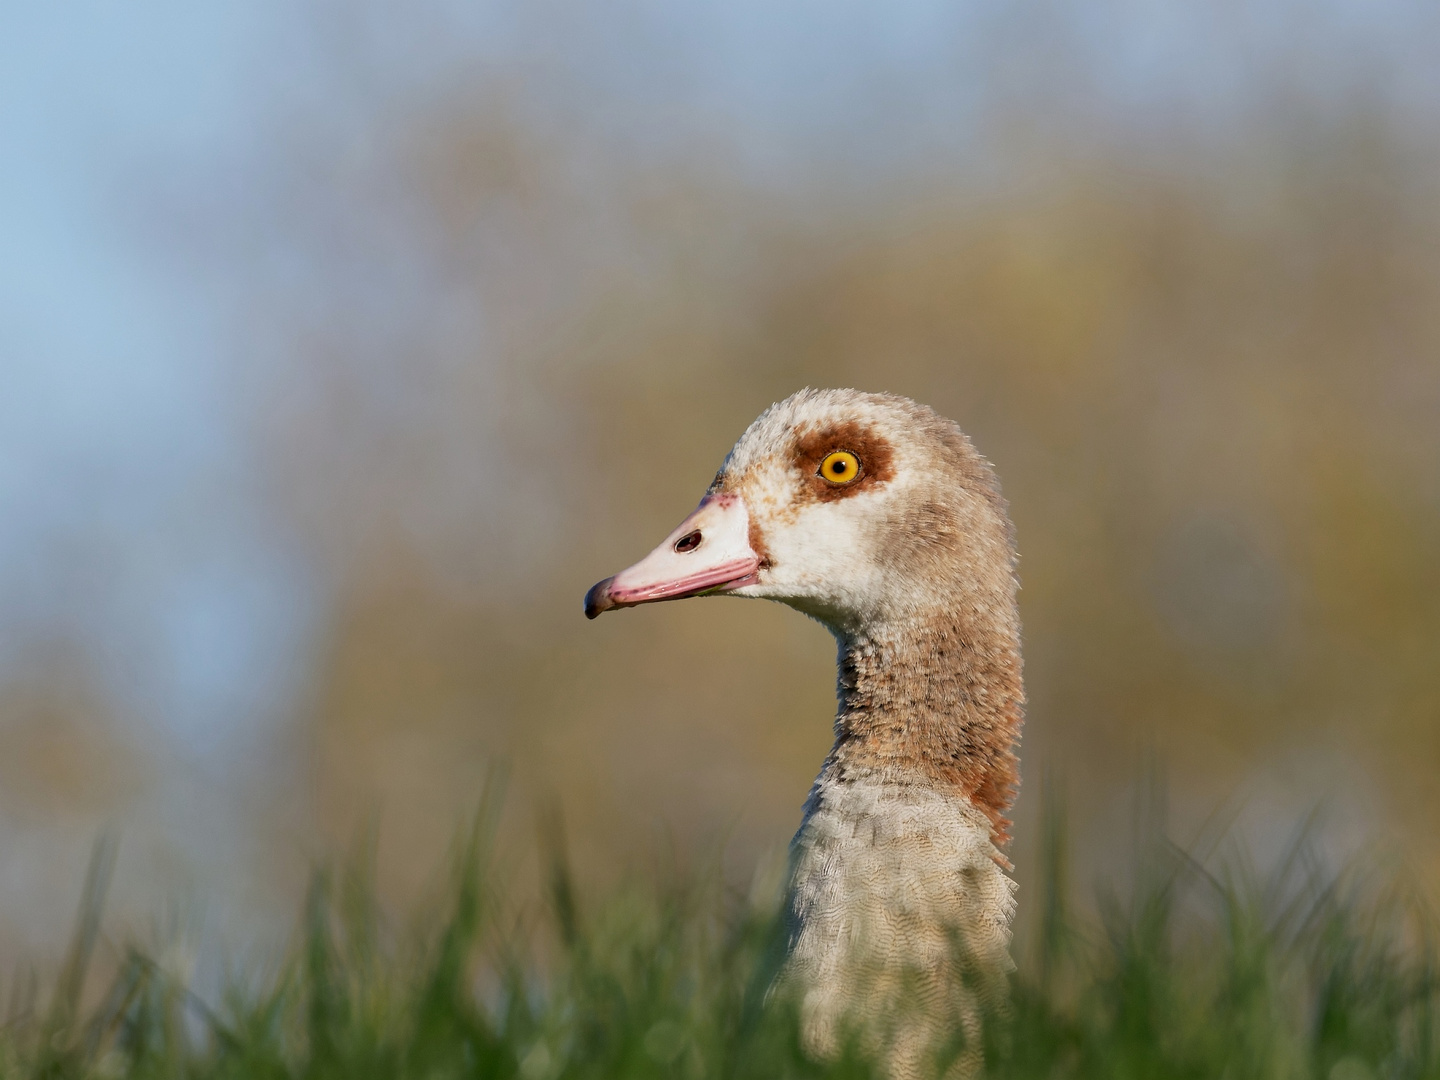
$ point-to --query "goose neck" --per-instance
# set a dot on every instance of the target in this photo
(934, 700)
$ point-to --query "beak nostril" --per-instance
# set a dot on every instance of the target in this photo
(689, 542)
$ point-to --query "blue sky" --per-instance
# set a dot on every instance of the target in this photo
(125, 523)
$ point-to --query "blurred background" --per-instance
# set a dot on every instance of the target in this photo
(344, 345)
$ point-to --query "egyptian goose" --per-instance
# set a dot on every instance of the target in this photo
(877, 517)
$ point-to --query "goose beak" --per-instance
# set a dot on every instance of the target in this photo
(709, 552)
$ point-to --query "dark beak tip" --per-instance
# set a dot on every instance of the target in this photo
(598, 598)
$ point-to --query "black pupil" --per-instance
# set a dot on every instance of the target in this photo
(838, 466)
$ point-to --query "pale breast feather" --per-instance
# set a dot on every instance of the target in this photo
(896, 892)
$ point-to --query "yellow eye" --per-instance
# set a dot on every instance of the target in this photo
(840, 467)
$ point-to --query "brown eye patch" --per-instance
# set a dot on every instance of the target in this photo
(814, 444)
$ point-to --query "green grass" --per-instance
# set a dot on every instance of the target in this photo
(1197, 968)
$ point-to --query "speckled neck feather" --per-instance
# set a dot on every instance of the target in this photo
(898, 885)
(935, 701)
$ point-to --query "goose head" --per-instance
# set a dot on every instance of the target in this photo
(861, 510)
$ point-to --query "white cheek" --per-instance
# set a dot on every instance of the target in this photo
(821, 560)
